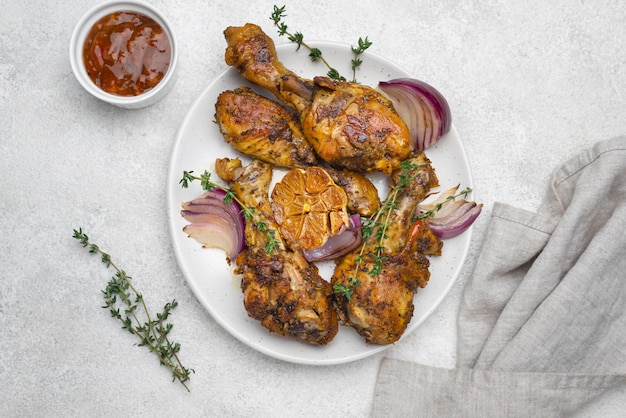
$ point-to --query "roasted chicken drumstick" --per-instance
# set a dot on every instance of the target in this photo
(381, 305)
(262, 128)
(281, 289)
(349, 125)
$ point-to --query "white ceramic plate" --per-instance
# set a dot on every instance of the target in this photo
(199, 143)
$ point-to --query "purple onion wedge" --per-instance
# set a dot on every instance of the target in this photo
(215, 223)
(338, 245)
(423, 108)
(450, 215)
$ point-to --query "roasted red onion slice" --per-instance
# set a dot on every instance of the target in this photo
(215, 223)
(449, 215)
(338, 245)
(422, 107)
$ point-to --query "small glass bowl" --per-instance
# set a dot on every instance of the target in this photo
(78, 66)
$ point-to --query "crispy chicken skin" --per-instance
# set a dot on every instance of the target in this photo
(262, 128)
(362, 194)
(253, 53)
(353, 126)
(348, 124)
(280, 288)
(381, 306)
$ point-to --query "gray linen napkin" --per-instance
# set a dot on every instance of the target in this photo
(542, 321)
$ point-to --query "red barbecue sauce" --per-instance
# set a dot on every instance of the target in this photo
(126, 53)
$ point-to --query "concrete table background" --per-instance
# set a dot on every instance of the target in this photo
(529, 83)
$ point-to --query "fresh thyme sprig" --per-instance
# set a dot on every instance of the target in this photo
(207, 184)
(347, 289)
(376, 227)
(123, 301)
(315, 53)
(357, 51)
(272, 243)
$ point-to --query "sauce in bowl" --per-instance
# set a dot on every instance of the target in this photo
(126, 53)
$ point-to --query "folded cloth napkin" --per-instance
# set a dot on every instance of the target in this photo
(542, 321)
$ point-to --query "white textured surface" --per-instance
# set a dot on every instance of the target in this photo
(529, 83)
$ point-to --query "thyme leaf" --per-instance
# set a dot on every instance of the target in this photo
(127, 305)
(375, 227)
(208, 185)
(432, 212)
(315, 54)
(363, 44)
(346, 290)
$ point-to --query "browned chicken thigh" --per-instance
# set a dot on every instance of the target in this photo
(263, 129)
(281, 289)
(381, 305)
(348, 124)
